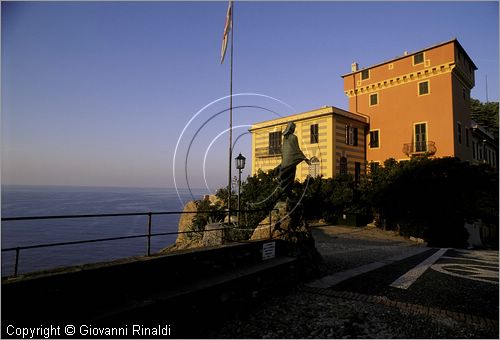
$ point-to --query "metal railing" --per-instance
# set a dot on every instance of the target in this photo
(149, 234)
(420, 148)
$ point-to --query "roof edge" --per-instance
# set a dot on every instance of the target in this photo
(324, 110)
(455, 40)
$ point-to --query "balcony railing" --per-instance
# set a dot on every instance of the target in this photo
(419, 149)
(268, 152)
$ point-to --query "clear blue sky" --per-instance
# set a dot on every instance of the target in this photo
(99, 93)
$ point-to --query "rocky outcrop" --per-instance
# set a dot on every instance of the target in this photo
(186, 221)
(288, 224)
(282, 224)
(213, 235)
(187, 240)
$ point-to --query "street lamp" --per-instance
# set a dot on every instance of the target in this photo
(240, 165)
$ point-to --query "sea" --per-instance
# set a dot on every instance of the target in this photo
(29, 201)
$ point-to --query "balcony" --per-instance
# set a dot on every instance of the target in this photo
(419, 149)
(268, 152)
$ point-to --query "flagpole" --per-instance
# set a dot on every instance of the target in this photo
(230, 118)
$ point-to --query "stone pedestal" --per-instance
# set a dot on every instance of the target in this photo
(288, 224)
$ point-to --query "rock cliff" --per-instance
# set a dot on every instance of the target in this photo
(292, 227)
(186, 240)
(283, 225)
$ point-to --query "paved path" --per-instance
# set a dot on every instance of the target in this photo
(379, 285)
(350, 252)
(348, 247)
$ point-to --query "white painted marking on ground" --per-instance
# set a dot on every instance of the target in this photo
(406, 280)
(331, 280)
(484, 266)
(469, 271)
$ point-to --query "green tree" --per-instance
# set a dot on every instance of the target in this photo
(422, 197)
(258, 196)
(431, 198)
(486, 115)
(206, 213)
(316, 199)
(331, 198)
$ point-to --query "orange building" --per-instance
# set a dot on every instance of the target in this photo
(418, 103)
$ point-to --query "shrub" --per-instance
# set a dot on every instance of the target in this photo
(206, 213)
(426, 198)
(432, 198)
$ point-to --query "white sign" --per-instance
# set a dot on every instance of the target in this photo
(268, 250)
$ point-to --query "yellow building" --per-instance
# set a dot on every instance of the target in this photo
(332, 138)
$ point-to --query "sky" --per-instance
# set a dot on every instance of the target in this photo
(133, 94)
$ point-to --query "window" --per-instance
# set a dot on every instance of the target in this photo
(459, 133)
(314, 168)
(473, 150)
(418, 58)
(423, 88)
(421, 137)
(351, 135)
(467, 137)
(343, 166)
(374, 139)
(365, 74)
(373, 99)
(314, 134)
(275, 143)
(357, 171)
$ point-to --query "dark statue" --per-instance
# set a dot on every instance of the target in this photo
(291, 156)
(290, 224)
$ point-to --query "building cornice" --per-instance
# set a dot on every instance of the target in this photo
(403, 79)
(454, 40)
(314, 114)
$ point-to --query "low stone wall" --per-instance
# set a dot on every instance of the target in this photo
(82, 294)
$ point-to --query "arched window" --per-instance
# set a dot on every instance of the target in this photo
(314, 168)
(343, 165)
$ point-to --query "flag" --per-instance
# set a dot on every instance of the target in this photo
(227, 28)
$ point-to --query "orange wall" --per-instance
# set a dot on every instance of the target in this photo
(436, 57)
(400, 106)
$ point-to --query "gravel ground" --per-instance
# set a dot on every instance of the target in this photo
(302, 314)
(345, 247)
(309, 316)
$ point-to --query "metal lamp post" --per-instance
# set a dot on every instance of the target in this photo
(240, 165)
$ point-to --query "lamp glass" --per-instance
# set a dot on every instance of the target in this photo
(240, 162)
